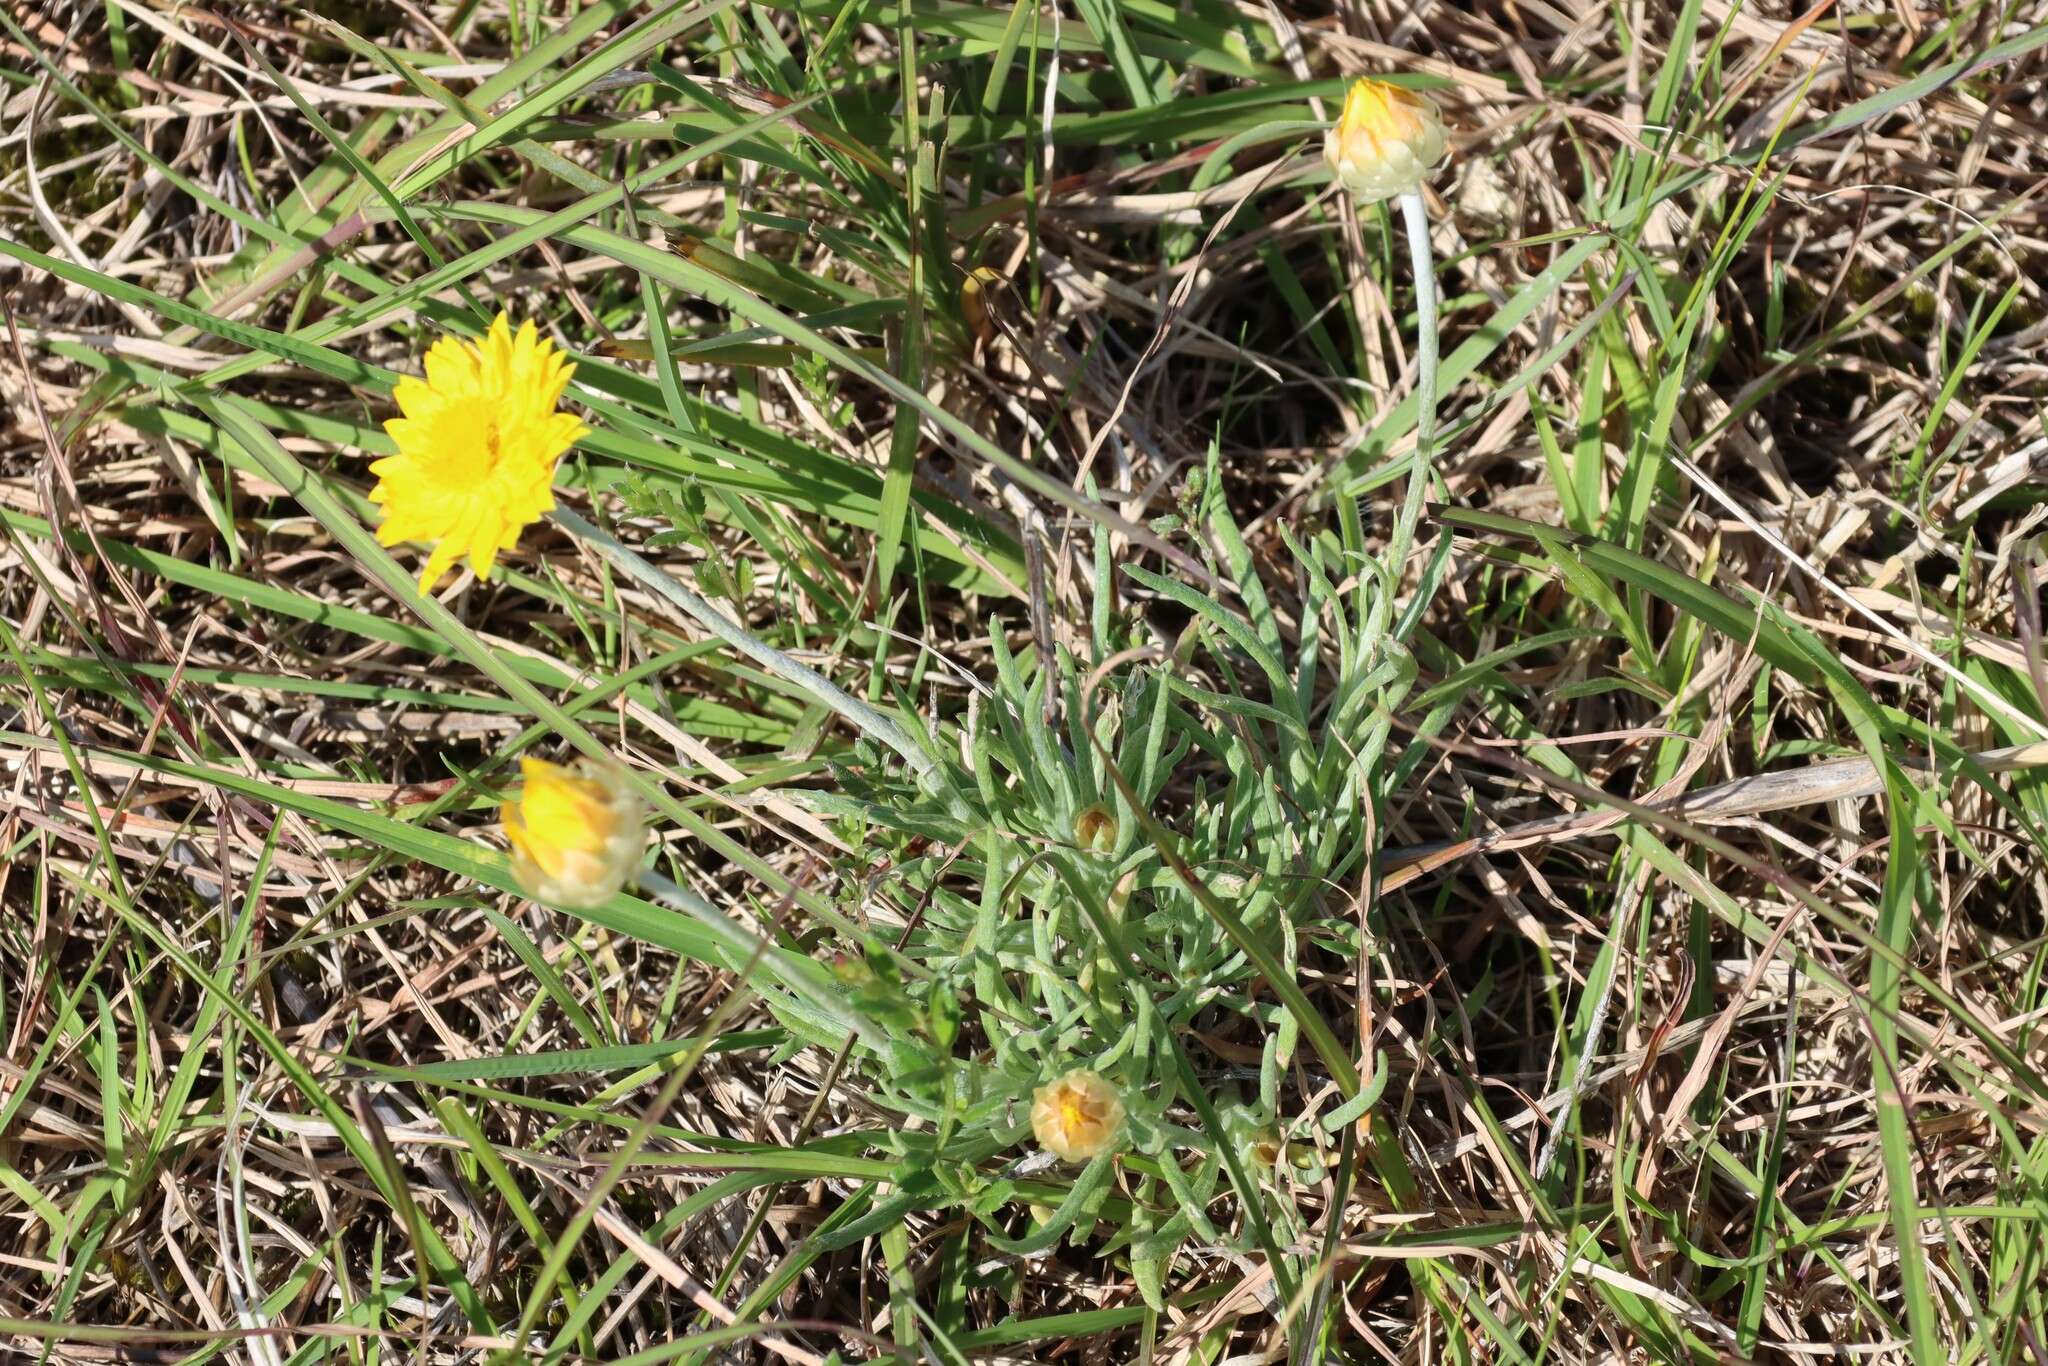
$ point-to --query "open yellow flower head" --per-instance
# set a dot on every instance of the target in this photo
(1385, 142)
(1077, 1116)
(477, 447)
(576, 832)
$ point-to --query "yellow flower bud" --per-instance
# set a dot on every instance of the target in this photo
(1095, 830)
(1076, 1117)
(1385, 142)
(576, 832)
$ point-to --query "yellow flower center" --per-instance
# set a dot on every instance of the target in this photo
(1077, 1116)
(472, 461)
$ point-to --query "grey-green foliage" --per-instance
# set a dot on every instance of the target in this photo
(1256, 744)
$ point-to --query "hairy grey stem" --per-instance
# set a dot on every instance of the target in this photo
(1415, 216)
(748, 949)
(862, 716)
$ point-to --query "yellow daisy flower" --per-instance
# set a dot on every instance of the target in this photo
(1077, 1116)
(477, 447)
(576, 832)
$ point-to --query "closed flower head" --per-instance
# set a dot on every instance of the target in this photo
(477, 447)
(1385, 142)
(576, 832)
(1076, 1117)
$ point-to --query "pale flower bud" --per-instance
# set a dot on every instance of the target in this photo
(1385, 142)
(1076, 1117)
(576, 832)
(1095, 830)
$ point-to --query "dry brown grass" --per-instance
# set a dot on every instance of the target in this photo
(215, 1131)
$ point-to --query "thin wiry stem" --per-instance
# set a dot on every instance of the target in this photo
(862, 716)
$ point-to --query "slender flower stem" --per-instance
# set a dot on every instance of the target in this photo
(862, 716)
(751, 952)
(1415, 215)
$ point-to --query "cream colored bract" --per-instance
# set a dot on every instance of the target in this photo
(1385, 141)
